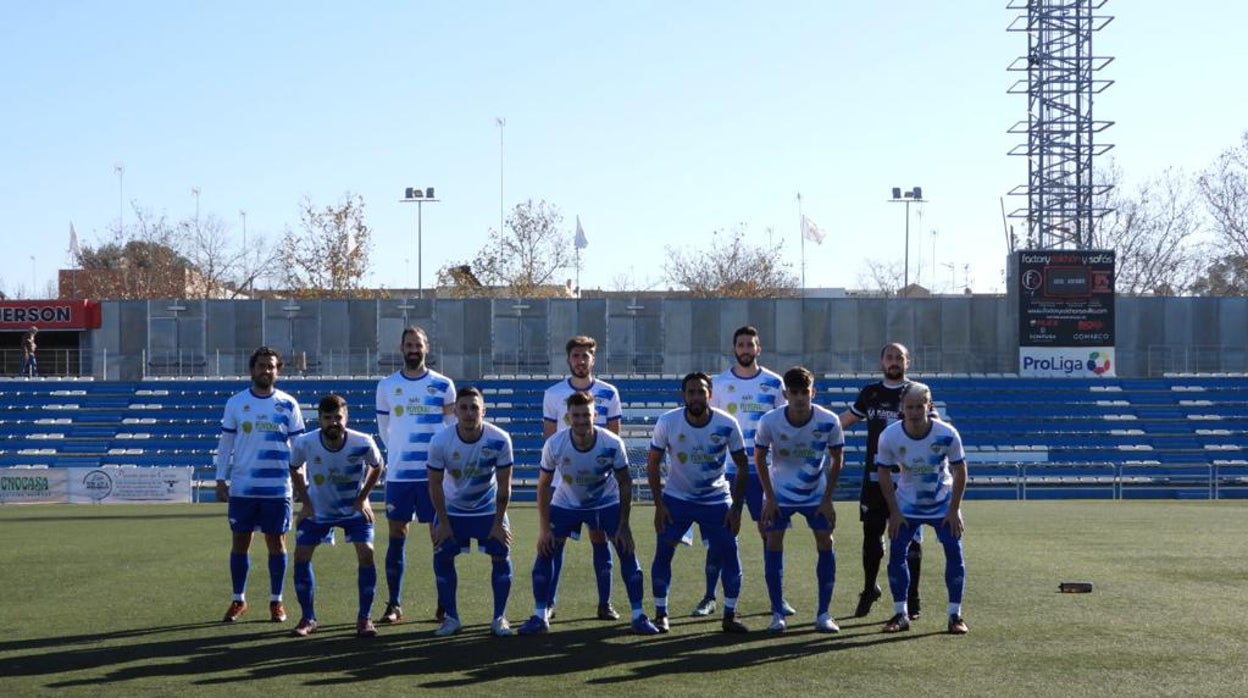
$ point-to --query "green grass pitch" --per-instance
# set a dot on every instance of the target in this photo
(125, 600)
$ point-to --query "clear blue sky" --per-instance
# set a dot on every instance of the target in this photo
(655, 122)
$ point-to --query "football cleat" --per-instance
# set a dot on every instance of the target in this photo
(535, 625)
(306, 627)
(235, 611)
(450, 626)
(825, 623)
(897, 624)
(865, 600)
(778, 625)
(957, 626)
(705, 607)
(392, 614)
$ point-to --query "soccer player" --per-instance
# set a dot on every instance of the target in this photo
(413, 404)
(880, 404)
(606, 413)
(805, 442)
(746, 391)
(924, 457)
(470, 484)
(698, 440)
(334, 469)
(594, 489)
(253, 477)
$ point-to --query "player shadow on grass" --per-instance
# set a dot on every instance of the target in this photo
(603, 654)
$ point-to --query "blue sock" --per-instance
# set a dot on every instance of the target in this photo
(396, 561)
(634, 581)
(543, 571)
(602, 571)
(240, 564)
(730, 572)
(712, 574)
(955, 568)
(898, 571)
(661, 569)
(773, 572)
(366, 580)
(500, 580)
(556, 570)
(305, 588)
(825, 575)
(277, 574)
(446, 578)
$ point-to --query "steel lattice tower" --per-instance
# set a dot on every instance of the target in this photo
(1062, 195)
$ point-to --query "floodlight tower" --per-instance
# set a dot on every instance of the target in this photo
(1064, 201)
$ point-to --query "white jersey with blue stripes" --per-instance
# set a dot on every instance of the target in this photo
(747, 400)
(334, 477)
(259, 465)
(470, 483)
(799, 454)
(606, 402)
(697, 457)
(584, 479)
(920, 467)
(413, 410)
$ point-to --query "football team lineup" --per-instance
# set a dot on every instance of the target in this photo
(748, 437)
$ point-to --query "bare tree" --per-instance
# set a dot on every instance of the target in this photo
(1224, 189)
(885, 277)
(524, 261)
(1155, 233)
(731, 267)
(226, 269)
(328, 256)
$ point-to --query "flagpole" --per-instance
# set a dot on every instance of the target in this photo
(801, 236)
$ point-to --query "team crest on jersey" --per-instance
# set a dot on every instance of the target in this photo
(431, 390)
(605, 460)
(398, 410)
(716, 439)
(247, 427)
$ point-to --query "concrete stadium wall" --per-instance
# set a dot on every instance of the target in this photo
(475, 337)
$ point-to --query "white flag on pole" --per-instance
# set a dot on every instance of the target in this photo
(812, 232)
(581, 241)
(74, 251)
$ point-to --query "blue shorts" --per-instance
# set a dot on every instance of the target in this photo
(566, 523)
(753, 502)
(477, 526)
(264, 514)
(356, 528)
(814, 519)
(409, 499)
(708, 517)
